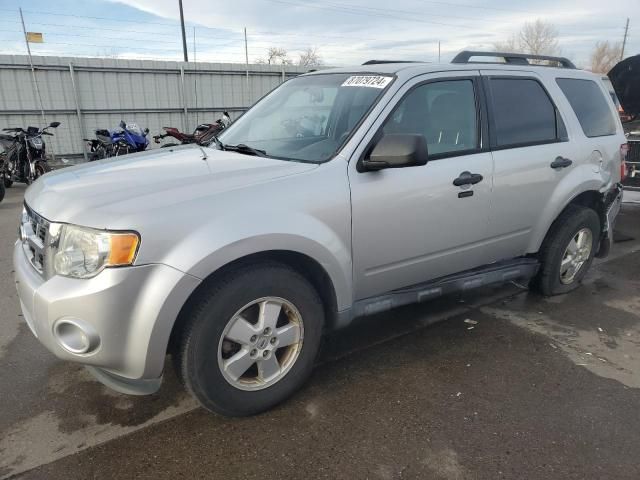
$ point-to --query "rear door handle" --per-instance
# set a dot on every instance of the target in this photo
(467, 178)
(561, 162)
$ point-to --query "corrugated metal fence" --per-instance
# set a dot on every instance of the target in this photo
(85, 94)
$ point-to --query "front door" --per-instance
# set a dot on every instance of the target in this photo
(413, 224)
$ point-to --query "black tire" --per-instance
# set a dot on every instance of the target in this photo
(1, 191)
(41, 168)
(7, 182)
(564, 229)
(197, 357)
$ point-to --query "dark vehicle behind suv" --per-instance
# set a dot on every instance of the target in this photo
(625, 88)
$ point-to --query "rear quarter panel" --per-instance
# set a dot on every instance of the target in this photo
(596, 160)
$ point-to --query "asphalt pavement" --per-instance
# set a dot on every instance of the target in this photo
(498, 383)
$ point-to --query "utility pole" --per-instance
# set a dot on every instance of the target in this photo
(184, 35)
(246, 57)
(624, 41)
(195, 75)
(33, 70)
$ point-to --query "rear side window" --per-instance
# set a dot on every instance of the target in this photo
(522, 113)
(590, 106)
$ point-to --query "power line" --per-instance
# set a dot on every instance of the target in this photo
(368, 14)
(120, 19)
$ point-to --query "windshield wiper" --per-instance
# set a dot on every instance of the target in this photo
(246, 149)
(218, 143)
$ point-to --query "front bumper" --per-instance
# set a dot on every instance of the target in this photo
(130, 311)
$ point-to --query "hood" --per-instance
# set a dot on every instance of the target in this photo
(625, 77)
(96, 194)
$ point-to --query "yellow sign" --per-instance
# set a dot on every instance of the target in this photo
(35, 37)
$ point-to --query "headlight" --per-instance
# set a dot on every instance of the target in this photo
(84, 252)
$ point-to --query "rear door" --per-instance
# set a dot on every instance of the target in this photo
(527, 136)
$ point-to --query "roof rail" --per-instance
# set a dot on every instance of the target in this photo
(511, 58)
(379, 62)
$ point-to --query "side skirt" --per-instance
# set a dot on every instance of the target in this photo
(495, 273)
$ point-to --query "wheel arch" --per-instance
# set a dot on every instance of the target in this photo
(590, 198)
(303, 264)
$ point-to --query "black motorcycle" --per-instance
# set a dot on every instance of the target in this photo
(100, 147)
(2, 187)
(25, 154)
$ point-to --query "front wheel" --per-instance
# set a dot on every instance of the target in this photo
(251, 340)
(568, 251)
(40, 168)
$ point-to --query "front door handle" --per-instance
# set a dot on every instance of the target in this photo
(561, 162)
(468, 178)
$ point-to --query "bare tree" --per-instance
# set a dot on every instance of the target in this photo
(536, 38)
(276, 56)
(539, 38)
(310, 58)
(509, 45)
(604, 56)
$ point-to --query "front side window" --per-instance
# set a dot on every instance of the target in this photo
(307, 118)
(522, 113)
(444, 112)
(590, 106)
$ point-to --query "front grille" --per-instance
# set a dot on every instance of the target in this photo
(633, 154)
(35, 231)
(633, 165)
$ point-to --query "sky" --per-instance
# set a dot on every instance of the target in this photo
(343, 31)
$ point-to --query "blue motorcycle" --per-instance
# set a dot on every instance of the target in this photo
(129, 138)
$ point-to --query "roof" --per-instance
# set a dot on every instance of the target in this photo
(412, 69)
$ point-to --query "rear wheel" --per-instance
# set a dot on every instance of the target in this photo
(568, 251)
(251, 340)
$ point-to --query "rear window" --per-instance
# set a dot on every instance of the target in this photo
(590, 106)
(522, 113)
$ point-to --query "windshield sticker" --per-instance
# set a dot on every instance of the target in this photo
(372, 81)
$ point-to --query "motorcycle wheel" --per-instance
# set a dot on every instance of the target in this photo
(6, 181)
(40, 169)
(1, 191)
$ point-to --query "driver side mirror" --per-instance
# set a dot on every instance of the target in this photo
(396, 151)
(54, 124)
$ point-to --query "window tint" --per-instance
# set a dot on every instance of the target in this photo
(444, 112)
(590, 105)
(522, 112)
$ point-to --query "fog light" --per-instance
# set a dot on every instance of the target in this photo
(75, 336)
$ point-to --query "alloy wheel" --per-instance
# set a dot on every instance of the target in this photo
(260, 343)
(576, 255)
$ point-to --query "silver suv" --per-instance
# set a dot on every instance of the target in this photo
(342, 193)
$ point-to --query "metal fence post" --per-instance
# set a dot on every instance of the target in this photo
(76, 97)
(184, 100)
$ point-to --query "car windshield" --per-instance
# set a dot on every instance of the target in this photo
(306, 119)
